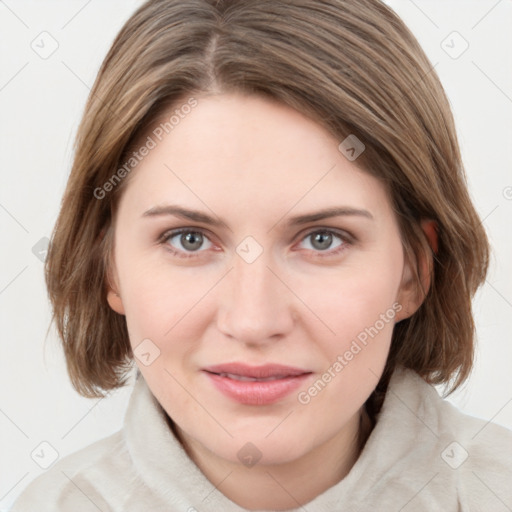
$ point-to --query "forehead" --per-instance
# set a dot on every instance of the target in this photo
(253, 154)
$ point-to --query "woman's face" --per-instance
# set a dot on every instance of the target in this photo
(249, 282)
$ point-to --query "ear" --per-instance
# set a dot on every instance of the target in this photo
(411, 294)
(112, 282)
(429, 227)
(113, 297)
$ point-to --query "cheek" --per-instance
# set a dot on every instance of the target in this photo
(359, 306)
(162, 303)
(354, 298)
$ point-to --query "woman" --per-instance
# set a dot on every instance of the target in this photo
(268, 213)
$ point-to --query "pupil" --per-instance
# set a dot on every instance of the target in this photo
(325, 240)
(191, 240)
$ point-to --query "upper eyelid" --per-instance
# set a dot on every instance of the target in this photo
(170, 233)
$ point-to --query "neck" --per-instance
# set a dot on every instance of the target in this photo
(288, 485)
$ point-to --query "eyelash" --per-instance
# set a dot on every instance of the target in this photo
(344, 237)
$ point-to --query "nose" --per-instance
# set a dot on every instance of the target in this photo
(255, 306)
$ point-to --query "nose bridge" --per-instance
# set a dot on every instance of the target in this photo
(255, 305)
(253, 282)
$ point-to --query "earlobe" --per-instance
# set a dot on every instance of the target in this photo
(412, 293)
(115, 302)
(429, 227)
(426, 263)
(113, 298)
(408, 294)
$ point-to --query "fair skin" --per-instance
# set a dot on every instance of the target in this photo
(255, 164)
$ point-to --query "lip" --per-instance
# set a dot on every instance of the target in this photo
(283, 380)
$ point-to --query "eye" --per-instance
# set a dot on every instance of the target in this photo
(188, 242)
(321, 241)
(183, 241)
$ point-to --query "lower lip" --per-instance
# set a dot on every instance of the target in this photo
(257, 392)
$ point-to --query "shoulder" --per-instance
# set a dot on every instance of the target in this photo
(472, 456)
(479, 452)
(79, 480)
(479, 442)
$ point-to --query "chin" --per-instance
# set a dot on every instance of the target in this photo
(250, 449)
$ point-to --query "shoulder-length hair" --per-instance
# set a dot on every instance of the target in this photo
(351, 65)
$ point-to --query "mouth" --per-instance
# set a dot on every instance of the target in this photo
(244, 378)
(242, 371)
(256, 385)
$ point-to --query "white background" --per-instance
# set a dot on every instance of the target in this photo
(41, 101)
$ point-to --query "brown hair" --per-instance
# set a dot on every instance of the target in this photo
(351, 65)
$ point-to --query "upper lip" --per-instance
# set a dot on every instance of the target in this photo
(257, 372)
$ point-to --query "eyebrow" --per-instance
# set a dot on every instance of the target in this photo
(204, 218)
